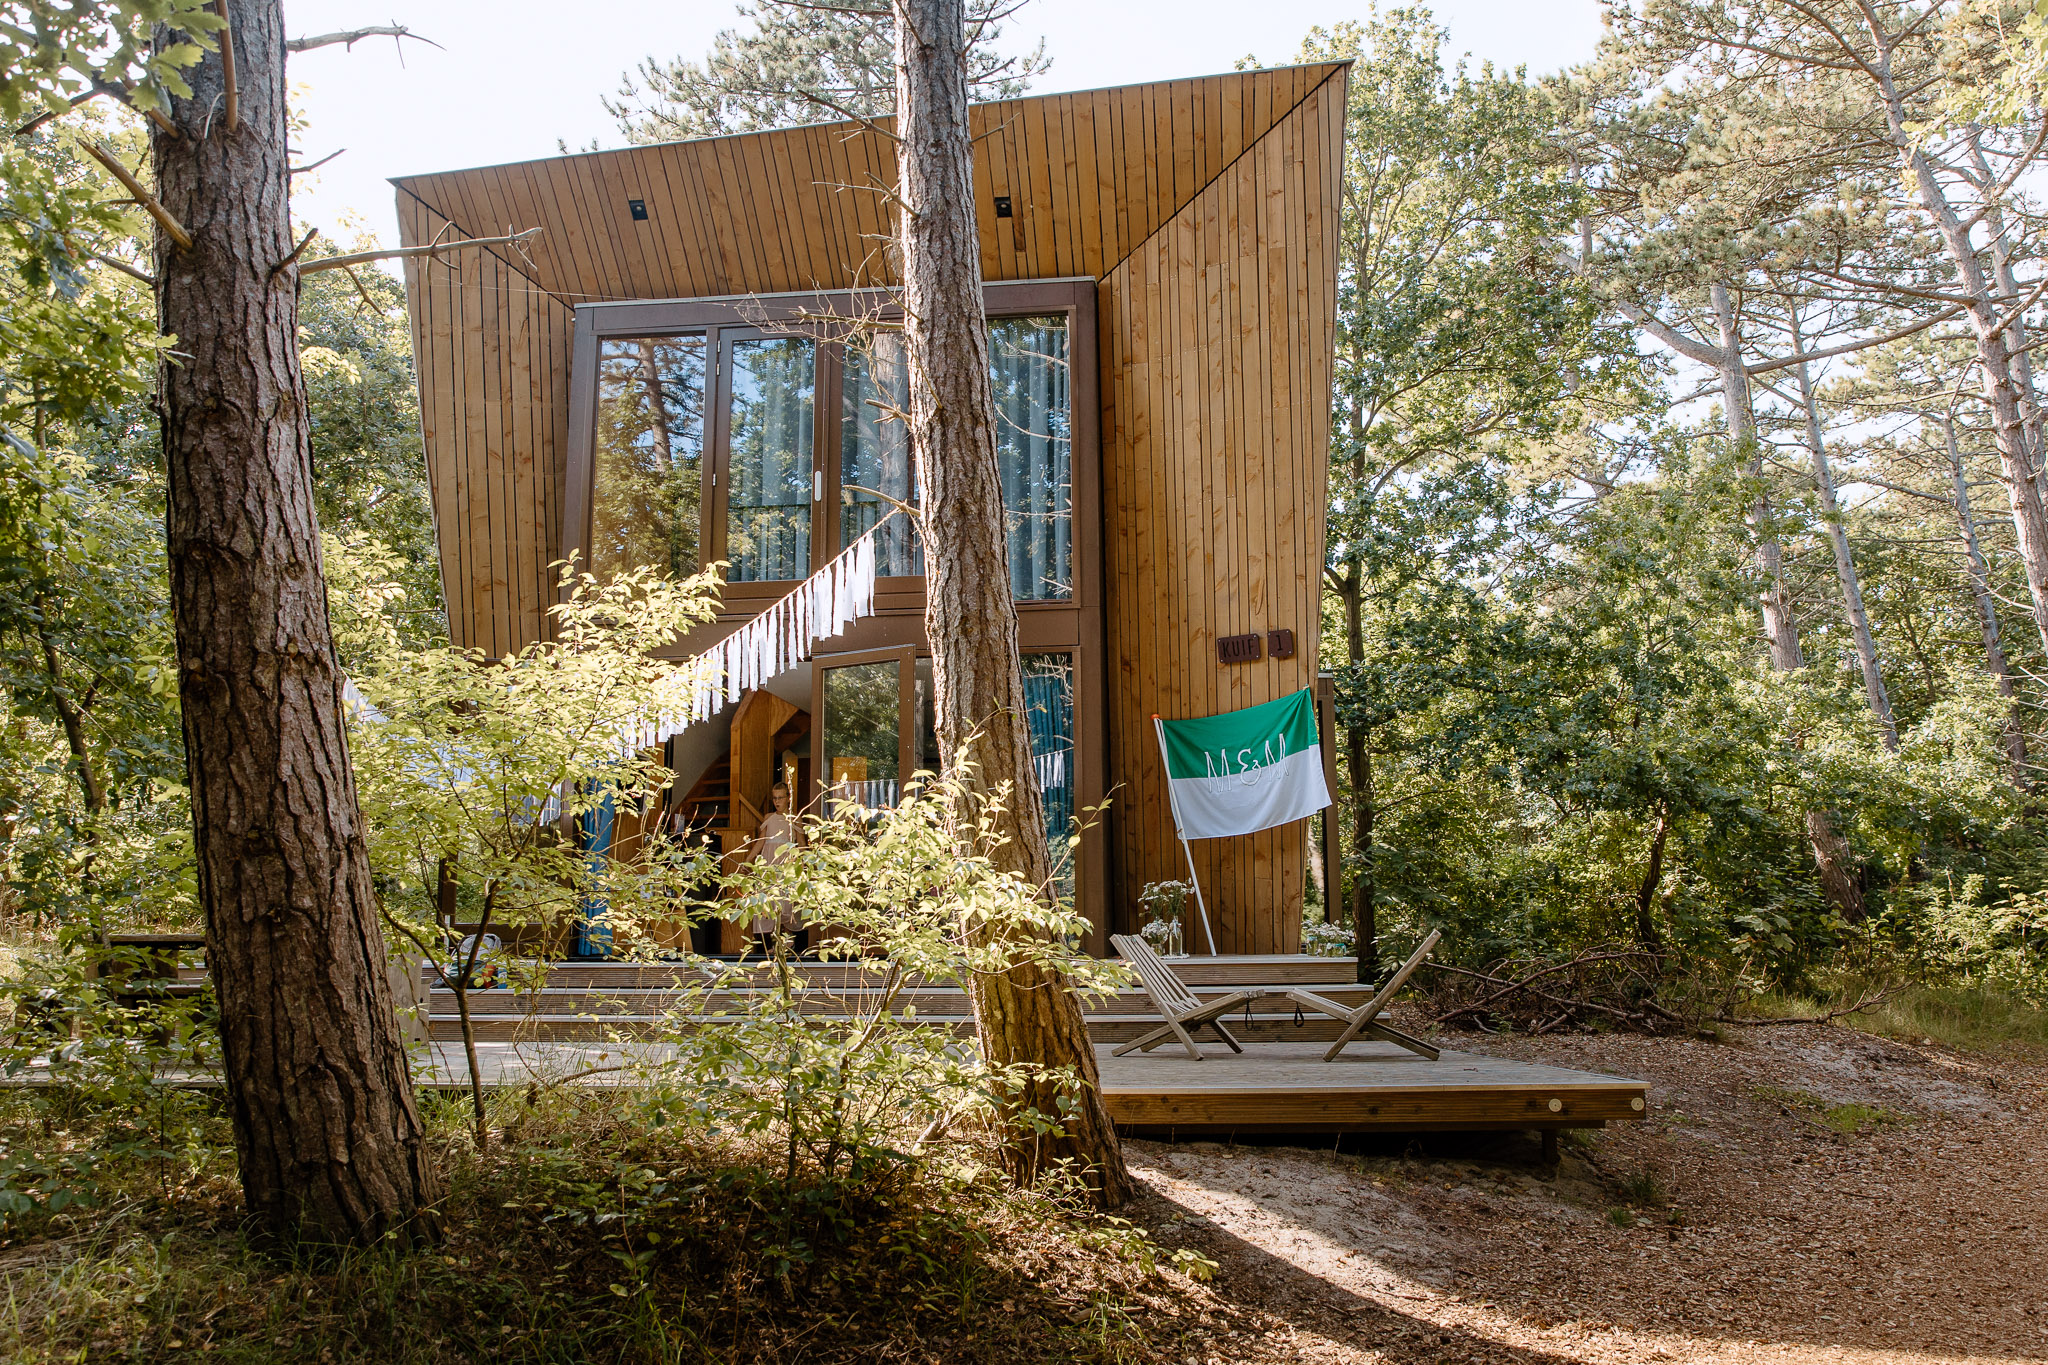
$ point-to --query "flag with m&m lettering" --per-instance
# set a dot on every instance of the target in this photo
(1244, 771)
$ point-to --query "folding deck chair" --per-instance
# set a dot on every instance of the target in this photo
(1178, 1006)
(1363, 1019)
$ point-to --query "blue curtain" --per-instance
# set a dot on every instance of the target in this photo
(592, 936)
(1049, 706)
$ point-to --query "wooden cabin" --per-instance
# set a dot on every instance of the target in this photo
(681, 368)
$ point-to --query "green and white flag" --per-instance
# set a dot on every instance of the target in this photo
(1244, 771)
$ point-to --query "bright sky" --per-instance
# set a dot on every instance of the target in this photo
(518, 74)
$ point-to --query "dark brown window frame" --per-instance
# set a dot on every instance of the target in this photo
(816, 315)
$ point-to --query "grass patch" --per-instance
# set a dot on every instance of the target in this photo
(1967, 1018)
(1643, 1188)
(1622, 1217)
(584, 1236)
(1848, 1120)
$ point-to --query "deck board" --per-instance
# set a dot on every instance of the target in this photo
(1287, 1087)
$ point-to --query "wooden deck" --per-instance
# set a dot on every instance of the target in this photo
(1286, 1087)
(597, 1015)
(1273, 1088)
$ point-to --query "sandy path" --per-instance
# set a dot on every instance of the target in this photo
(1923, 1238)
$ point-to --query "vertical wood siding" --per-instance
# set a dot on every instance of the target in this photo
(492, 352)
(1216, 338)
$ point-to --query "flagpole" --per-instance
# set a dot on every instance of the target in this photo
(1173, 806)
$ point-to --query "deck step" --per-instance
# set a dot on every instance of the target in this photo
(564, 1001)
(499, 1028)
(1204, 974)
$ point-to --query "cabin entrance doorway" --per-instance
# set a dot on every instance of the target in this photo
(769, 742)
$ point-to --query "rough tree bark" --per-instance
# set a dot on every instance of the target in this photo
(970, 617)
(328, 1139)
(1845, 563)
(2001, 244)
(1365, 927)
(1647, 937)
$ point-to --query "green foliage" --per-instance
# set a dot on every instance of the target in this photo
(355, 349)
(486, 763)
(50, 53)
(1544, 564)
(799, 63)
(586, 1236)
(102, 1068)
(902, 910)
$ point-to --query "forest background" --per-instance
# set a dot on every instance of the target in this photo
(1651, 636)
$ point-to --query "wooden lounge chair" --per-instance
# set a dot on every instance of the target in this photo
(1184, 1013)
(1364, 1019)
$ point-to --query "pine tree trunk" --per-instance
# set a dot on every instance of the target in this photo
(2016, 333)
(329, 1142)
(1845, 564)
(1365, 928)
(970, 616)
(1995, 360)
(1781, 627)
(1647, 937)
(1987, 612)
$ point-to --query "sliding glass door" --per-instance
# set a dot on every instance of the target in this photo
(879, 730)
(862, 762)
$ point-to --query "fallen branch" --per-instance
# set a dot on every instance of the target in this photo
(350, 37)
(1618, 983)
(171, 226)
(1867, 1002)
(1610, 1011)
(1510, 987)
(408, 252)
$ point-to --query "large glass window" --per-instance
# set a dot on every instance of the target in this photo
(874, 453)
(648, 485)
(863, 720)
(663, 497)
(768, 501)
(1034, 453)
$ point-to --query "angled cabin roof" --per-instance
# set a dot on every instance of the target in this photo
(1089, 175)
